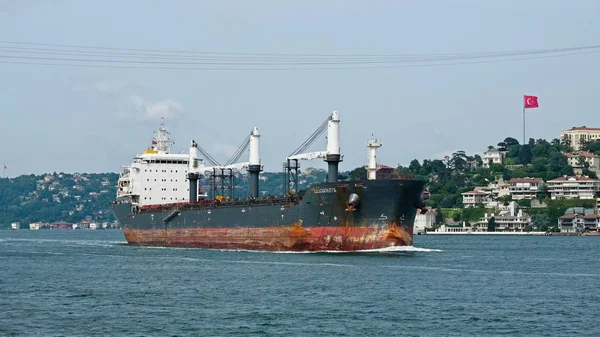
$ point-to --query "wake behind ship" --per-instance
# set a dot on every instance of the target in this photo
(159, 204)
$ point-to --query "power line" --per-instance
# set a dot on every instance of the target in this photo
(287, 68)
(95, 49)
(276, 54)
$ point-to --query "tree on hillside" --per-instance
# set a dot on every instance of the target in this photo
(589, 173)
(565, 145)
(540, 221)
(438, 166)
(459, 160)
(492, 224)
(542, 192)
(591, 146)
(541, 148)
(359, 173)
(414, 166)
(557, 161)
(525, 154)
(582, 162)
(509, 141)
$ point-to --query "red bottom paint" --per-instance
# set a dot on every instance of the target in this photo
(292, 238)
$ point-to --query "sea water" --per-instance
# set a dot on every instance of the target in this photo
(91, 283)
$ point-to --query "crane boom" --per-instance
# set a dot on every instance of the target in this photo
(308, 156)
(237, 166)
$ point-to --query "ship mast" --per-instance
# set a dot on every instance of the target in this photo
(162, 142)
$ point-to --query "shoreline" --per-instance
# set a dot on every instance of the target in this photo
(512, 233)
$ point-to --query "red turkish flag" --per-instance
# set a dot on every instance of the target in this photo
(530, 101)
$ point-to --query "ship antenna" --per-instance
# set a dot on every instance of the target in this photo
(163, 139)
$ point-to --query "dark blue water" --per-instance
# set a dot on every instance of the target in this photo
(90, 283)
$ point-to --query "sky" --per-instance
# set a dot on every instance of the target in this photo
(95, 119)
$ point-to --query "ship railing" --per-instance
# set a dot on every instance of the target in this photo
(201, 204)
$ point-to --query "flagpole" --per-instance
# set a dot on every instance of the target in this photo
(523, 102)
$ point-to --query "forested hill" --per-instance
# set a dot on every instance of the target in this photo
(56, 197)
(449, 177)
(82, 196)
(76, 197)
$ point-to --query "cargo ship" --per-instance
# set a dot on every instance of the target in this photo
(159, 203)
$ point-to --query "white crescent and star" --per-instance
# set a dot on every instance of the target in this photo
(528, 103)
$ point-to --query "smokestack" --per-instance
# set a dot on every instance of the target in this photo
(254, 167)
(372, 146)
(193, 171)
(333, 156)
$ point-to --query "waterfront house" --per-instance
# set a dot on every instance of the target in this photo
(510, 219)
(525, 188)
(575, 187)
(476, 198)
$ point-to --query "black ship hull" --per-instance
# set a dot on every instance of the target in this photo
(345, 216)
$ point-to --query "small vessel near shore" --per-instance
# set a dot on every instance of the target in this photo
(159, 204)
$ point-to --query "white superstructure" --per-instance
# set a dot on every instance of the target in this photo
(157, 176)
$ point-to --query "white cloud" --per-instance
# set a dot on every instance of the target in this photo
(156, 109)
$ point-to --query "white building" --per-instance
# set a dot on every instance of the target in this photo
(497, 188)
(423, 222)
(34, 226)
(493, 156)
(576, 223)
(476, 198)
(454, 228)
(15, 225)
(591, 159)
(510, 219)
(576, 187)
(575, 135)
(524, 188)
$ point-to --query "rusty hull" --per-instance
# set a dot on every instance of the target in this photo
(285, 238)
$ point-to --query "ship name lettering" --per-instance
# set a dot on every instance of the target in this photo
(324, 190)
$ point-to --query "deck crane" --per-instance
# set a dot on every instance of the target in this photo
(224, 173)
(331, 155)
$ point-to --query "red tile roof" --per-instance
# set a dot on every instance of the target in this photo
(576, 128)
(569, 216)
(577, 178)
(525, 180)
(580, 153)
